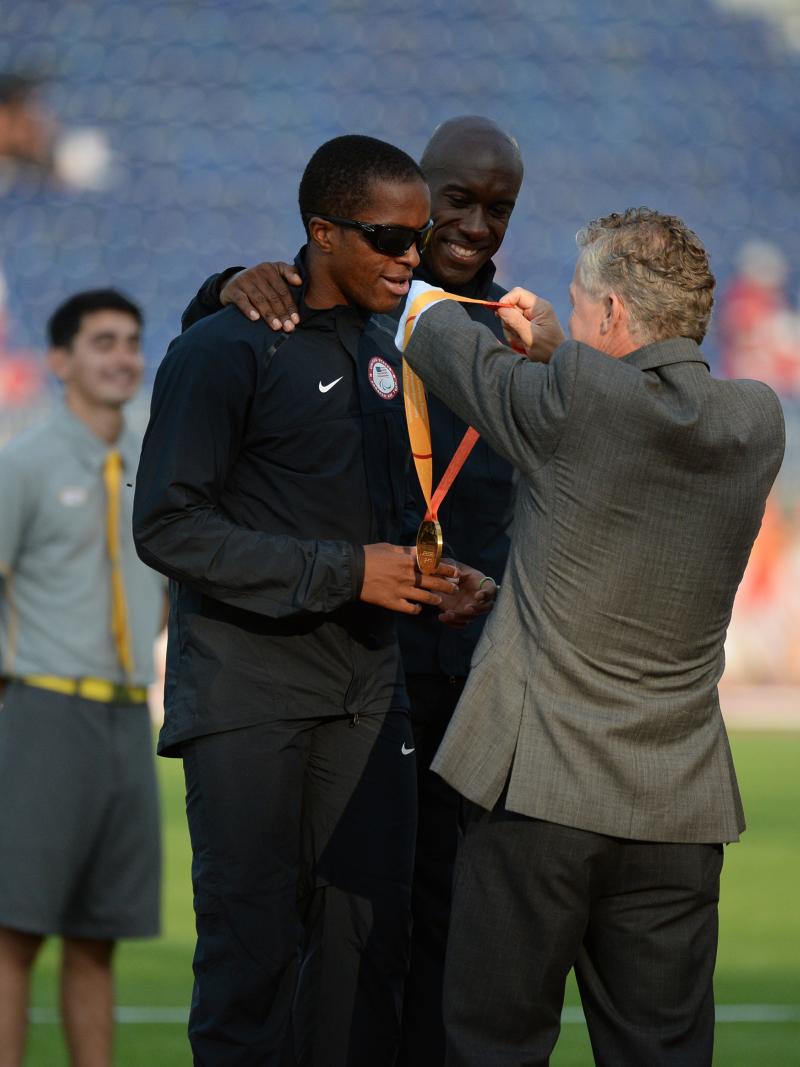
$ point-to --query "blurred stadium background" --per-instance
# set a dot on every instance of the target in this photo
(146, 145)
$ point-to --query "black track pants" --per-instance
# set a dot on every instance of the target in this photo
(303, 843)
(433, 701)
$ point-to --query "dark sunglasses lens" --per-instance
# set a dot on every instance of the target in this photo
(392, 240)
(396, 240)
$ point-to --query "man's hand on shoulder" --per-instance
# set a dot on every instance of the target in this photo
(531, 325)
(393, 580)
(262, 292)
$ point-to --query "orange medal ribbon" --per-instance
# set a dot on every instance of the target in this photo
(419, 432)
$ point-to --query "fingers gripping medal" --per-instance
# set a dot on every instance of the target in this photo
(429, 535)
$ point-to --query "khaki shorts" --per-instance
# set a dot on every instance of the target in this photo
(80, 852)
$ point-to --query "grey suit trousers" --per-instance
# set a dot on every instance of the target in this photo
(637, 920)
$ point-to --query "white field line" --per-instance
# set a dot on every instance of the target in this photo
(122, 1015)
(726, 1013)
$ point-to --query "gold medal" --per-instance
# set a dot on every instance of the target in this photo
(429, 546)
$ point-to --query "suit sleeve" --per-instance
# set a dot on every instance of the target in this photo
(198, 425)
(206, 301)
(518, 406)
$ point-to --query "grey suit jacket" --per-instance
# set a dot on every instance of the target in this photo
(593, 691)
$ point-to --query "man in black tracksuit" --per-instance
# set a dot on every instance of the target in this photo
(474, 172)
(270, 477)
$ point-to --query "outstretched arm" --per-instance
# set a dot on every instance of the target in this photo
(519, 406)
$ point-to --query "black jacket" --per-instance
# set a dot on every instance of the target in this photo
(259, 482)
(476, 513)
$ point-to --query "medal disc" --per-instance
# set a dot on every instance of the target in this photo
(429, 546)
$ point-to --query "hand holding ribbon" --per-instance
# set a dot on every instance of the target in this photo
(530, 325)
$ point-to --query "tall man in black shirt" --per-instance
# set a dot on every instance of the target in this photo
(270, 481)
(474, 172)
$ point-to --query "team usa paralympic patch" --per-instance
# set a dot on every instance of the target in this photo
(382, 378)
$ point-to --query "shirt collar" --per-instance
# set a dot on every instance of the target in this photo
(91, 450)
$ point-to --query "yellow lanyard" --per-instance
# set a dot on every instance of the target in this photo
(112, 476)
(416, 405)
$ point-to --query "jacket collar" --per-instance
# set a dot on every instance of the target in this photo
(663, 353)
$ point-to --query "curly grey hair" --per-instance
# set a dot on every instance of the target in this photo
(656, 265)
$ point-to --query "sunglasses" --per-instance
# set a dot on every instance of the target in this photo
(388, 240)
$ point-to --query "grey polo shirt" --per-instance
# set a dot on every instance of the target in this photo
(55, 576)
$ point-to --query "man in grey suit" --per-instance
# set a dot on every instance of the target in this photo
(589, 737)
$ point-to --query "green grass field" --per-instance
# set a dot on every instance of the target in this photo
(759, 954)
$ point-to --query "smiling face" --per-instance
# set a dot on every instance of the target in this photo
(346, 269)
(103, 364)
(474, 178)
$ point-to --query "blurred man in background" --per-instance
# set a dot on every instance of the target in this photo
(27, 128)
(474, 171)
(758, 326)
(34, 145)
(589, 737)
(79, 828)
